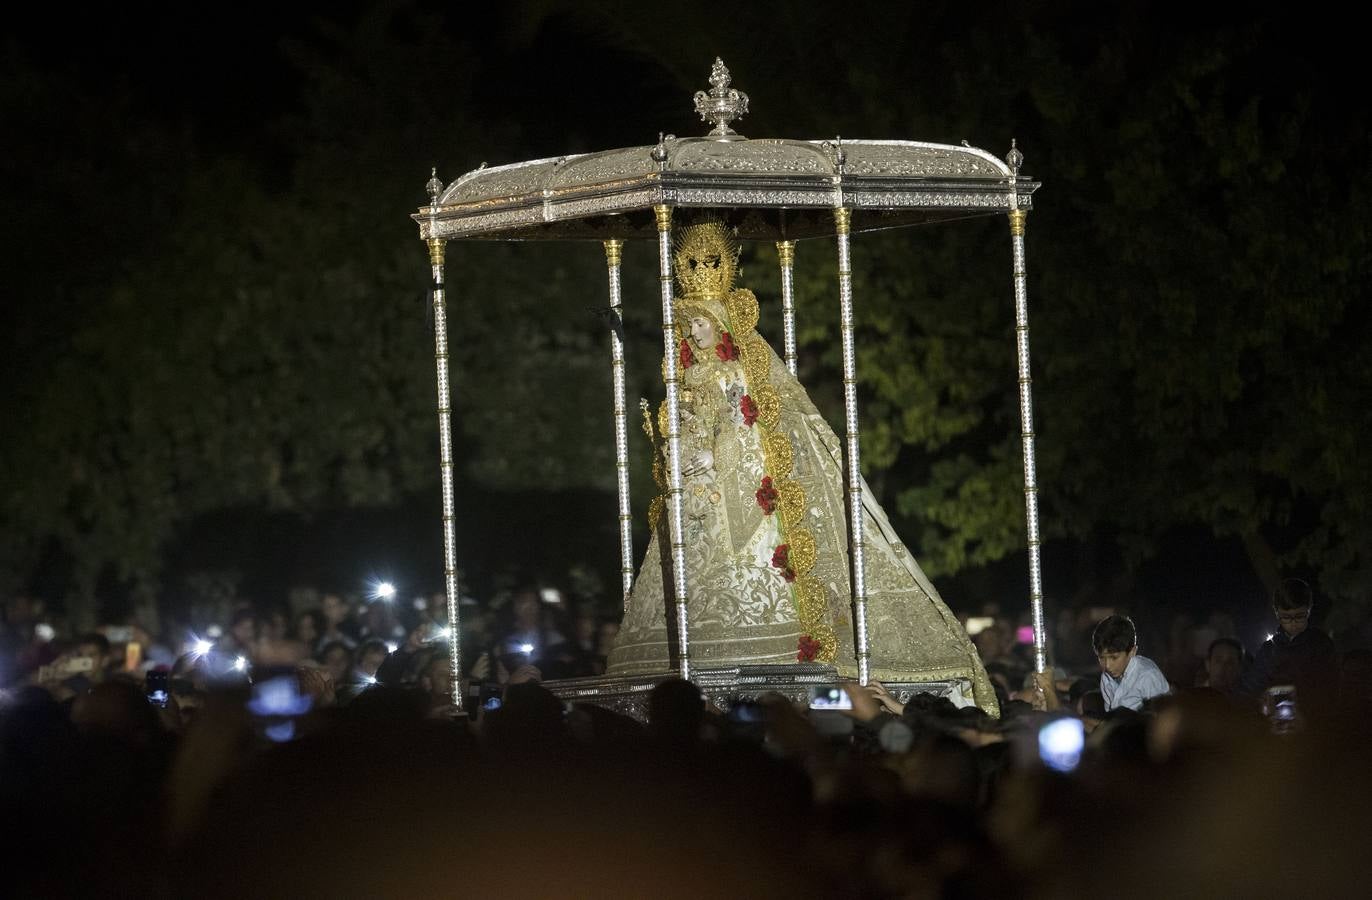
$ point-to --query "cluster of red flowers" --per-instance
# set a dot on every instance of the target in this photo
(781, 558)
(749, 410)
(725, 349)
(767, 496)
(807, 649)
(687, 357)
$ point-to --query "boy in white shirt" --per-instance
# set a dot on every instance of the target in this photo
(1126, 679)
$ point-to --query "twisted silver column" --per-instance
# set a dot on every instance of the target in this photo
(856, 544)
(786, 255)
(445, 456)
(613, 255)
(675, 520)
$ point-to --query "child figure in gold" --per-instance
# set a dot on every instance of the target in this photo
(765, 534)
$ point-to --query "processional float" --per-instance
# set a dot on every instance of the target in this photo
(778, 190)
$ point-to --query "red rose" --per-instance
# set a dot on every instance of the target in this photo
(767, 496)
(687, 357)
(749, 410)
(807, 649)
(781, 556)
(725, 349)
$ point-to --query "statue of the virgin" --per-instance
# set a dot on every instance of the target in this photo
(766, 536)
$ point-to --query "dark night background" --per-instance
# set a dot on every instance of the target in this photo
(219, 374)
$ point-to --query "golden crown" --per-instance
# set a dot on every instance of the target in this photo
(706, 257)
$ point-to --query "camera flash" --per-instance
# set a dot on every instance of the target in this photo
(526, 648)
(240, 664)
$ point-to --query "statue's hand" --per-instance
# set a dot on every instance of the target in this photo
(699, 463)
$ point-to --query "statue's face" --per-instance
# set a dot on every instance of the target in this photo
(702, 332)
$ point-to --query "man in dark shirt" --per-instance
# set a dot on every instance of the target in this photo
(1298, 654)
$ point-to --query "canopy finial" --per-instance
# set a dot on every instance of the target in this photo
(722, 104)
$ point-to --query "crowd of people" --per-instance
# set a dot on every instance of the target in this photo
(316, 755)
(348, 643)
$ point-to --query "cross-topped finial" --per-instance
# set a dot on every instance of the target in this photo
(722, 104)
(434, 187)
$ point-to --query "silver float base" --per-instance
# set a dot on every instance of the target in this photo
(628, 694)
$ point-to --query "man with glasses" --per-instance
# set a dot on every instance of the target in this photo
(1297, 654)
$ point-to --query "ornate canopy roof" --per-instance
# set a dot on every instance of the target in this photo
(771, 189)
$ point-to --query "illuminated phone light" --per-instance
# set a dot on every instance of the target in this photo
(240, 664)
(392, 646)
(1061, 744)
(201, 647)
(526, 648)
(384, 590)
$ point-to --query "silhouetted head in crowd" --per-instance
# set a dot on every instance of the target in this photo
(1003, 679)
(526, 609)
(676, 712)
(1012, 710)
(370, 656)
(1091, 705)
(1123, 736)
(95, 647)
(337, 659)
(335, 610)
(436, 678)
(1199, 721)
(243, 629)
(117, 709)
(381, 704)
(607, 631)
(584, 628)
(1292, 605)
(529, 717)
(944, 768)
(275, 623)
(309, 627)
(1224, 664)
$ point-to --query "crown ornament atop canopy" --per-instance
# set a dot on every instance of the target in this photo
(722, 104)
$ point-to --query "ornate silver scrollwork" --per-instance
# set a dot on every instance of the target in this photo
(722, 104)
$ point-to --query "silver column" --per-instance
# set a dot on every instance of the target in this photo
(856, 545)
(445, 456)
(613, 255)
(1026, 410)
(675, 521)
(786, 255)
